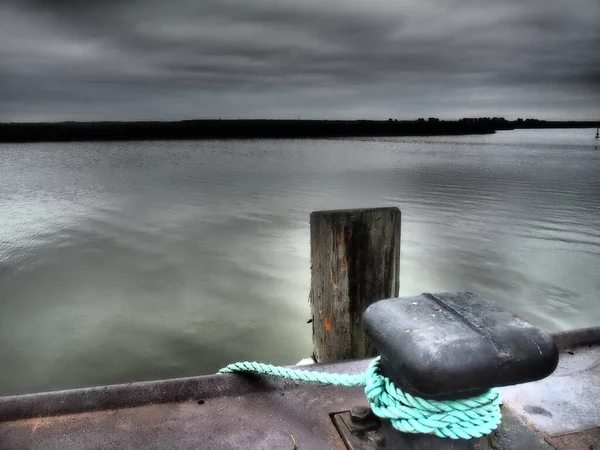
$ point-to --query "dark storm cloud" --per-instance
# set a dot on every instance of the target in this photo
(113, 59)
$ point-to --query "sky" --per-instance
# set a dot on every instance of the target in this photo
(314, 59)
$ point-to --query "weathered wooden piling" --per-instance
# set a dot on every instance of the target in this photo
(355, 256)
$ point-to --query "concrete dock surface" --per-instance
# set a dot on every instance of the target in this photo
(244, 411)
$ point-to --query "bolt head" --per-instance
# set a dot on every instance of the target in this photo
(359, 413)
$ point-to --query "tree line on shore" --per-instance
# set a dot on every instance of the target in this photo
(251, 129)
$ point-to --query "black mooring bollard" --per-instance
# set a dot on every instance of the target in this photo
(456, 345)
(450, 346)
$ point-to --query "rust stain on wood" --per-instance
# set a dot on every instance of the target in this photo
(327, 324)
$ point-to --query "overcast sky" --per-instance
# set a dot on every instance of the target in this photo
(181, 59)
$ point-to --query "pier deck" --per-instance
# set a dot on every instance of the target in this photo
(242, 411)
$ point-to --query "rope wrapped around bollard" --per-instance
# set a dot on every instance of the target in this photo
(467, 418)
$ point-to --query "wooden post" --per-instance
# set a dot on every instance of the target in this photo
(355, 256)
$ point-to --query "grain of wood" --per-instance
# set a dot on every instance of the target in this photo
(355, 261)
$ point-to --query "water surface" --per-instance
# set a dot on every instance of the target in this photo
(144, 260)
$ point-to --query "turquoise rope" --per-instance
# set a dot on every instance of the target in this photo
(468, 418)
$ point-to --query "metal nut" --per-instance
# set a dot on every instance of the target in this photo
(359, 414)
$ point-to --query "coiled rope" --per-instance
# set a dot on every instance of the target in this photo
(467, 418)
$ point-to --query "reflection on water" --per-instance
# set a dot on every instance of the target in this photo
(137, 261)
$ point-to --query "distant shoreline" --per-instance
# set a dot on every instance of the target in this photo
(265, 129)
